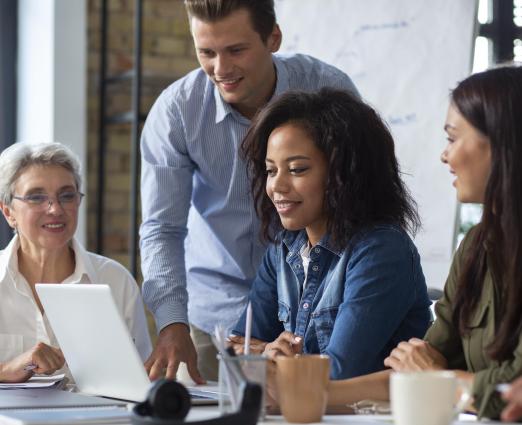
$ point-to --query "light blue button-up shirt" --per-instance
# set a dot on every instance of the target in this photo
(200, 246)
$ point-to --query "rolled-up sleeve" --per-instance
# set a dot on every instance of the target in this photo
(166, 189)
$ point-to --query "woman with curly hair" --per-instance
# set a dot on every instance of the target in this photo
(341, 276)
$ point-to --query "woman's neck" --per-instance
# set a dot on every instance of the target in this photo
(45, 266)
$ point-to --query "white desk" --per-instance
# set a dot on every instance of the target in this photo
(206, 412)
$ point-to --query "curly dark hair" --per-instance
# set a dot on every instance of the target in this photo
(363, 186)
(491, 101)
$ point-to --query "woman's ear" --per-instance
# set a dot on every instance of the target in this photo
(6, 211)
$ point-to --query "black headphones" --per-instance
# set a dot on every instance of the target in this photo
(168, 403)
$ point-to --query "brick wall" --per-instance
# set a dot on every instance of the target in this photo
(168, 54)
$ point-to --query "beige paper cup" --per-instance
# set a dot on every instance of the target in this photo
(302, 384)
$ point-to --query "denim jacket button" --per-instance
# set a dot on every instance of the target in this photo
(306, 305)
(315, 268)
(317, 250)
(297, 266)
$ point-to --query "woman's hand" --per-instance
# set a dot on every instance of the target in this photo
(513, 411)
(41, 359)
(415, 355)
(286, 344)
(237, 342)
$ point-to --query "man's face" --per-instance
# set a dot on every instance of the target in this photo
(237, 61)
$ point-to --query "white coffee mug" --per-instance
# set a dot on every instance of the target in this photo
(427, 398)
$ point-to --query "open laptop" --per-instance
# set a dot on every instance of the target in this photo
(97, 345)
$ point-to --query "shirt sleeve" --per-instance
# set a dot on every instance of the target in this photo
(443, 334)
(135, 318)
(382, 283)
(486, 399)
(166, 189)
(264, 299)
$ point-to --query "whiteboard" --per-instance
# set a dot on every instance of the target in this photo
(404, 56)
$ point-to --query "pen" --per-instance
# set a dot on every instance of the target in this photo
(30, 367)
(502, 388)
(248, 328)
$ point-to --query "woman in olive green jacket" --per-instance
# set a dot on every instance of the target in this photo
(478, 327)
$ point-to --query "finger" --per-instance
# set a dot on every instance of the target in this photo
(397, 354)
(417, 342)
(150, 362)
(404, 346)
(272, 353)
(512, 412)
(239, 349)
(286, 336)
(172, 369)
(284, 347)
(192, 368)
(394, 363)
(156, 370)
(237, 339)
(297, 345)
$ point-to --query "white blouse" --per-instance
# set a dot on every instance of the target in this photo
(21, 323)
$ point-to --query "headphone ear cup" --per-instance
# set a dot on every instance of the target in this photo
(168, 399)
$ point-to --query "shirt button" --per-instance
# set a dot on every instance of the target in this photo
(315, 268)
(297, 266)
(306, 305)
(317, 250)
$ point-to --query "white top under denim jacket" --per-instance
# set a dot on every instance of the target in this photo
(21, 323)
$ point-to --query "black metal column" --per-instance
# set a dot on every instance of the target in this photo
(135, 139)
(8, 57)
(102, 133)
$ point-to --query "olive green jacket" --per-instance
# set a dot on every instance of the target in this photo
(468, 352)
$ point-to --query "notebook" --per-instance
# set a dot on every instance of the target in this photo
(35, 398)
(84, 416)
(96, 342)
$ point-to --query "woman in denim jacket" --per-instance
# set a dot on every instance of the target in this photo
(341, 276)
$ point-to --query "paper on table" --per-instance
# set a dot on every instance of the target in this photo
(67, 416)
(36, 381)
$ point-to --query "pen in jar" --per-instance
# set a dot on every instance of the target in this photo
(502, 388)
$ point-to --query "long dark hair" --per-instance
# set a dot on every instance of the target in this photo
(491, 101)
(363, 184)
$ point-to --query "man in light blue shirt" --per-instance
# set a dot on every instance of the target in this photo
(199, 243)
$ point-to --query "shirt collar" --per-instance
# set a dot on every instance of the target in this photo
(84, 271)
(84, 266)
(9, 257)
(223, 108)
(294, 241)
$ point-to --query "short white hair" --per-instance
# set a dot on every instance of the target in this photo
(16, 158)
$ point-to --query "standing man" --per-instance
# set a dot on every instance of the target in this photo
(199, 237)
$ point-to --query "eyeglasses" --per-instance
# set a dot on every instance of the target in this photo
(42, 201)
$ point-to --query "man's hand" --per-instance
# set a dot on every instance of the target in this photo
(237, 342)
(415, 355)
(174, 346)
(286, 344)
(41, 359)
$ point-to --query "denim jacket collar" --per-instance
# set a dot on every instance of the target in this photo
(294, 241)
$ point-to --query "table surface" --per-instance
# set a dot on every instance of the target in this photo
(206, 412)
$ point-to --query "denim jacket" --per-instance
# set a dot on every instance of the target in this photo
(357, 305)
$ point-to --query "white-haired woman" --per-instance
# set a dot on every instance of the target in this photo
(39, 197)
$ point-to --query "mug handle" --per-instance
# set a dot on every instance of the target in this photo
(464, 387)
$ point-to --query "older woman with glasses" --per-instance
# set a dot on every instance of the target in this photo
(39, 197)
